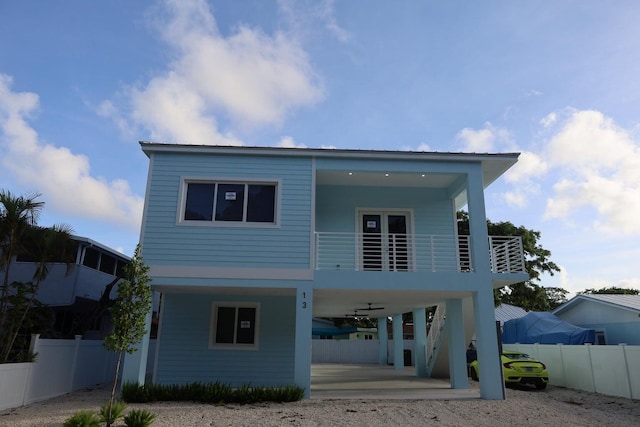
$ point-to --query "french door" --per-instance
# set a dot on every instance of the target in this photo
(385, 244)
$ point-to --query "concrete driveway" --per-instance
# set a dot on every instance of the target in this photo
(346, 381)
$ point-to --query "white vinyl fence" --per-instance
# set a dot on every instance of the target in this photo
(353, 351)
(62, 366)
(613, 370)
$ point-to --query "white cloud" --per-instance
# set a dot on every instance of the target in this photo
(215, 83)
(549, 119)
(304, 16)
(529, 165)
(424, 147)
(108, 110)
(476, 141)
(482, 140)
(64, 178)
(289, 142)
(599, 169)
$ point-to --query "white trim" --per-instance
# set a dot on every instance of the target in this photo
(182, 200)
(150, 147)
(201, 272)
(214, 318)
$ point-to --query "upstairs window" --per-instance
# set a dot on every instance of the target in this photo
(230, 202)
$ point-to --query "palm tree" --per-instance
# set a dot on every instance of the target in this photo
(17, 214)
(45, 245)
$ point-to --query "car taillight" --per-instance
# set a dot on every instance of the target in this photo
(543, 365)
(507, 365)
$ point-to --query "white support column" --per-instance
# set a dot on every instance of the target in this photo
(134, 367)
(398, 342)
(420, 340)
(383, 341)
(457, 348)
(302, 357)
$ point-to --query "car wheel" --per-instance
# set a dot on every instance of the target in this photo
(541, 385)
(474, 374)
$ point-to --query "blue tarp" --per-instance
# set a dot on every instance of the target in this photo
(544, 328)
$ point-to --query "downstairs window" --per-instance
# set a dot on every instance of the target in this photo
(234, 326)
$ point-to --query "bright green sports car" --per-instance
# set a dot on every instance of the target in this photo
(518, 368)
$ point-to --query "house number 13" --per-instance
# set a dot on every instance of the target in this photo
(304, 303)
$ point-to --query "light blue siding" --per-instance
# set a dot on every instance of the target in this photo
(432, 214)
(336, 207)
(286, 246)
(617, 333)
(184, 355)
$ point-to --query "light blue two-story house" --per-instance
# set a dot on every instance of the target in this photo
(248, 244)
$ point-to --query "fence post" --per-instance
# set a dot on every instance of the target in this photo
(626, 368)
(74, 362)
(564, 375)
(593, 378)
(33, 349)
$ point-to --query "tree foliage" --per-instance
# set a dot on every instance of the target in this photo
(612, 290)
(21, 236)
(133, 303)
(17, 215)
(556, 297)
(528, 295)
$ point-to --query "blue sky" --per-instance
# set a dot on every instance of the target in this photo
(82, 82)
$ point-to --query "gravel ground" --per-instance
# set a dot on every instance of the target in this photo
(554, 406)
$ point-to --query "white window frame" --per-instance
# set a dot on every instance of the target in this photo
(182, 202)
(214, 323)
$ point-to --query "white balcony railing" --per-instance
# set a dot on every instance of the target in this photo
(411, 252)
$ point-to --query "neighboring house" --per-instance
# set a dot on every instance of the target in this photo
(248, 244)
(326, 330)
(505, 312)
(73, 293)
(615, 318)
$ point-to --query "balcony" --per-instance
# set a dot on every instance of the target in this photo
(412, 252)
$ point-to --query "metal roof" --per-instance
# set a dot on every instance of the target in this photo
(506, 312)
(629, 302)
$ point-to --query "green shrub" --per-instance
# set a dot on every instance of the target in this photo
(82, 419)
(116, 412)
(139, 418)
(209, 393)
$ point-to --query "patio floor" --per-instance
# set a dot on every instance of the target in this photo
(346, 381)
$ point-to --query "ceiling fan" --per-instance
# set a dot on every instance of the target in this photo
(370, 308)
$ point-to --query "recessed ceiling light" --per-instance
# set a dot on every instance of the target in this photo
(424, 174)
(350, 173)
(386, 174)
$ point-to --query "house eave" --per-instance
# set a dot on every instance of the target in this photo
(493, 164)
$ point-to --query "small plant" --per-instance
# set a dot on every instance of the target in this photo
(116, 412)
(139, 418)
(82, 419)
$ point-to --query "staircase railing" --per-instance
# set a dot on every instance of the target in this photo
(434, 337)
